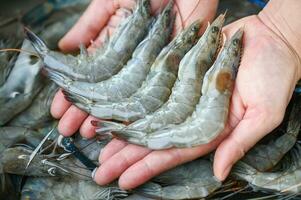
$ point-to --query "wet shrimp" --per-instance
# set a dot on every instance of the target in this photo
(265, 157)
(211, 113)
(132, 75)
(105, 61)
(155, 90)
(285, 180)
(38, 113)
(22, 85)
(193, 180)
(65, 188)
(186, 91)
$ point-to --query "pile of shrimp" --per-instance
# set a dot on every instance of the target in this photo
(172, 92)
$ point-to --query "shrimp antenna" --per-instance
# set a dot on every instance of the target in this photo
(183, 21)
(19, 50)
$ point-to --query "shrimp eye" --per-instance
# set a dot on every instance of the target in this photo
(215, 29)
(235, 42)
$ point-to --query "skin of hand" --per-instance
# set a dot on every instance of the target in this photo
(270, 67)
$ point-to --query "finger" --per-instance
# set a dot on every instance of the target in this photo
(109, 29)
(117, 164)
(254, 125)
(71, 121)
(59, 105)
(159, 161)
(110, 149)
(86, 129)
(90, 23)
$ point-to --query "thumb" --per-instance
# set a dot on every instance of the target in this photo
(255, 124)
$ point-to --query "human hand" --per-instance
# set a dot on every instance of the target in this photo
(269, 70)
(101, 18)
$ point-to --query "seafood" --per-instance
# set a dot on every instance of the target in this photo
(192, 180)
(264, 157)
(131, 77)
(211, 113)
(22, 85)
(15, 160)
(68, 188)
(186, 91)
(13, 135)
(106, 61)
(6, 63)
(154, 91)
(286, 180)
(38, 113)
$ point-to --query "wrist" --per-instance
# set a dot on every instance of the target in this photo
(283, 18)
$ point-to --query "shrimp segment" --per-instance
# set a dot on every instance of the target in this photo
(155, 90)
(211, 113)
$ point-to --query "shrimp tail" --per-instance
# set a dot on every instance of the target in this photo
(243, 171)
(55, 76)
(130, 135)
(105, 126)
(75, 98)
(38, 44)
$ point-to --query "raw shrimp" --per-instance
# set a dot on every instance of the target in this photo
(264, 157)
(105, 62)
(38, 113)
(130, 78)
(186, 92)
(211, 113)
(154, 91)
(193, 180)
(15, 160)
(6, 60)
(68, 188)
(286, 180)
(22, 85)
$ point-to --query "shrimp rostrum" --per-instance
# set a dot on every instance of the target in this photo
(211, 113)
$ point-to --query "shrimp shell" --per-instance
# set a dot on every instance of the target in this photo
(193, 180)
(105, 62)
(264, 157)
(186, 91)
(22, 85)
(38, 113)
(154, 91)
(131, 77)
(287, 180)
(211, 113)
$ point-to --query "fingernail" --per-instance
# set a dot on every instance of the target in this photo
(226, 172)
(93, 173)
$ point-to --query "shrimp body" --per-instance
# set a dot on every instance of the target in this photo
(38, 113)
(105, 62)
(211, 113)
(131, 77)
(21, 86)
(154, 91)
(265, 157)
(287, 180)
(186, 91)
(193, 180)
